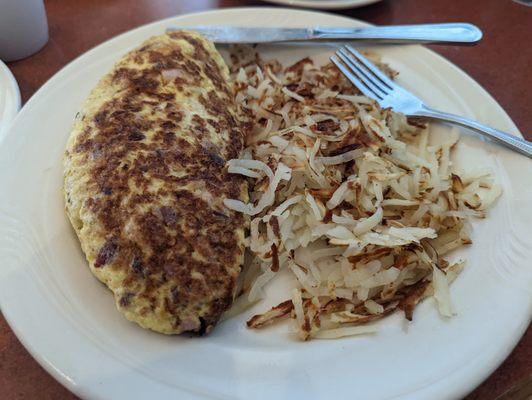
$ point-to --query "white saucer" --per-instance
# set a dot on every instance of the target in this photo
(9, 98)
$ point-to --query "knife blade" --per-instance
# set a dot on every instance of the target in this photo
(457, 33)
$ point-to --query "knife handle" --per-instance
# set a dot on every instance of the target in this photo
(461, 33)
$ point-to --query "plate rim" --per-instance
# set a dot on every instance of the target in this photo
(13, 90)
(85, 391)
(329, 5)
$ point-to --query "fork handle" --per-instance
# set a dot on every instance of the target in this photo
(520, 145)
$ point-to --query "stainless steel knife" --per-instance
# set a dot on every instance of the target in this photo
(456, 33)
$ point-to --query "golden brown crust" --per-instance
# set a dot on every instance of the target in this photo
(145, 183)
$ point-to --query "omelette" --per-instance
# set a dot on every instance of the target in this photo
(145, 180)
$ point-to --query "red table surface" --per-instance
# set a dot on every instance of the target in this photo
(501, 63)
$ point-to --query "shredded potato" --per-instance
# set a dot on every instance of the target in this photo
(356, 201)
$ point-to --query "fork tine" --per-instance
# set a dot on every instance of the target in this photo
(354, 80)
(370, 66)
(363, 74)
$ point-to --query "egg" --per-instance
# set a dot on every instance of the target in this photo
(145, 181)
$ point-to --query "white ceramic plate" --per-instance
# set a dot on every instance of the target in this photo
(9, 98)
(68, 321)
(324, 4)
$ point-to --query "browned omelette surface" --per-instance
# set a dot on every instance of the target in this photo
(145, 183)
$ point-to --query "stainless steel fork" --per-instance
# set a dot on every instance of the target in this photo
(373, 83)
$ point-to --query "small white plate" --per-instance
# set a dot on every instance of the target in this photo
(9, 98)
(324, 4)
(68, 320)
